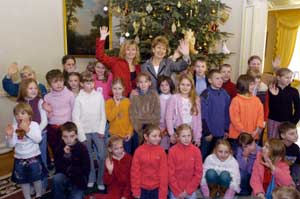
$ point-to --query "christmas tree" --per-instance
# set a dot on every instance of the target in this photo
(197, 20)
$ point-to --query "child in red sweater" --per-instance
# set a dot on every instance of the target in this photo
(228, 85)
(185, 165)
(149, 170)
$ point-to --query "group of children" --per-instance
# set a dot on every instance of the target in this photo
(203, 131)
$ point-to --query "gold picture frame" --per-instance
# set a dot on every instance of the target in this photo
(82, 19)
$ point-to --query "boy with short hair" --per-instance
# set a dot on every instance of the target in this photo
(246, 155)
(228, 85)
(59, 105)
(72, 165)
(90, 118)
(200, 68)
(289, 135)
(214, 112)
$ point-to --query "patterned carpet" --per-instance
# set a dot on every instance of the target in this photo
(8, 188)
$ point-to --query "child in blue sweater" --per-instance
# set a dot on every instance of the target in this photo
(215, 112)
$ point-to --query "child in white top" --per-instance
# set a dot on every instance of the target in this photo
(221, 173)
(89, 116)
(25, 137)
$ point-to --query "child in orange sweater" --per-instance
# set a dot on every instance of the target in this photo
(246, 111)
(149, 170)
(185, 165)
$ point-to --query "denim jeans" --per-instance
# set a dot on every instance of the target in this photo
(245, 183)
(131, 145)
(149, 194)
(192, 196)
(62, 188)
(223, 179)
(96, 144)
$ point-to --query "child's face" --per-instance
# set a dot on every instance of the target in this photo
(251, 148)
(32, 90)
(100, 69)
(153, 138)
(255, 64)
(117, 90)
(74, 82)
(200, 68)
(185, 86)
(70, 66)
(130, 52)
(285, 80)
(69, 137)
(216, 80)
(117, 149)
(144, 84)
(266, 150)
(222, 152)
(164, 87)
(88, 86)
(27, 75)
(185, 137)
(290, 135)
(159, 51)
(226, 72)
(257, 82)
(22, 115)
(57, 85)
(252, 86)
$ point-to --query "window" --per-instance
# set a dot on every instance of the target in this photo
(295, 61)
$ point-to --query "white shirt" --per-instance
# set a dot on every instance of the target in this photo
(27, 147)
(89, 113)
(186, 110)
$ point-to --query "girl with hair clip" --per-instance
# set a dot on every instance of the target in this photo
(270, 169)
(221, 175)
(184, 107)
(103, 79)
(185, 165)
(126, 66)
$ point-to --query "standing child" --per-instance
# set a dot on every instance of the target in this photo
(214, 112)
(269, 165)
(59, 105)
(25, 137)
(144, 108)
(220, 172)
(89, 116)
(126, 66)
(69, 65)
(200, 68)
(246, 155)
(149, 170)
(72, 165)
(288, 133)
(102, 79)
(117, 113)
(228, 85)
(117, 172)
(284, 102)
(185, 165)
(184, 108)
(74, 82)
(159, 64)
(165, 89)
(246, 111)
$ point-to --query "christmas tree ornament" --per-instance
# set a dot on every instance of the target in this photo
(105, 8)
(204, 44)
(199, 1)
(225, 50)
(150, 36)
(136, 27)
(122, 39)
(118, 9)
(154, 14)
(173, 27)
(178, 24)
(179, 4)
(189, 36)
(168, 8)
(127, 34)
(137, 39)
(213, 11)
(214, 27)
(149, 8)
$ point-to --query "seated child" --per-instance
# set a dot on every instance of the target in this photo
(72, 165)
(268, 164)
(221, 175)
(285, 193)
(246, 155)
(288, 133)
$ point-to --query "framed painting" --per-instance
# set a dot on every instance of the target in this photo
(82, 19)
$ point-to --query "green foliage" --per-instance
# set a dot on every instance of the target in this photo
(146, 19)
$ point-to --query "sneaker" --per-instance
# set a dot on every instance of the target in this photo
(101, 187)
(90, 185)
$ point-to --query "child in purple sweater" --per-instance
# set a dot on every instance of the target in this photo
(59, 105)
